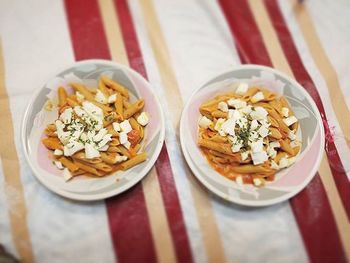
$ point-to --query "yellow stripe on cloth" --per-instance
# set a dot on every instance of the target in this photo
(324, 65)
(153, 198)
(205, 214)
(12, 178)
(278, 58)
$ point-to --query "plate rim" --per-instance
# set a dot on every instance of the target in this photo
(117, 190)
(253, 203)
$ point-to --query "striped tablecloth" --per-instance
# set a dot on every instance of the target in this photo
(177, 46)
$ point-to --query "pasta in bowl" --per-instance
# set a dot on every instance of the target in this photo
(93, 131)
(249, 134)
(252, 135)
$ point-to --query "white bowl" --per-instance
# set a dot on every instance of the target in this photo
(288, 182)
(36, 118)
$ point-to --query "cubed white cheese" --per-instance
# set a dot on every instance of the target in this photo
(72, 147)
(66, 116)
(272, 152)
(219, 123)
(125, 126)
(67, 175)
(258, 113)
(127, 145)
(93, 110)
(263, 131)
(285, 112)
(239, 180)
(274, 144)
(237, 103)
(254, 125)
(100, 97)
(242, 88)
(58, 165)
(283, 163)
(259, 96)
(290, 120)
(242, 122)
(234, 114)
(58, 152)
(204, 122)
(257, 182)
(123, 137)
(143, 119)
(253, 136)
(236, 147)
(90, 151)
(274, 165)
(292, 136)
(244, 155)
(106, 138)
(223, 106)
(246, 110)
(259, 157)
(112, 98)
(100, 134)
(103, 148)
(257, 146)
(80, 97)
(116, 126)
(119, 158)
(228, 127)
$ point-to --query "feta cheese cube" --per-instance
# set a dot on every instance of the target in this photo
(67, 175)
(219, 123)
(234, 114)
(257, 182)
(285, 112)
(58, 165)
(274, 165)
(290, 120)
(112, 98)
(283, 163)
(228, 127)
(106, 138)
(259, 157)
(257, 146)
(258, 113)
(259, 96)
(90, 151)
(127, 145)
(143, 119)
(253, 136)
(237, 103)
(239, 180)
(204, 122)
(223, 106)
(263, 131)
(123, 137)
(274, 144)
(119, 159)
(72, 147)
(58, 152)
(292, 136)
(103, 148)
(66, 116)
(99, 136)
(100, 97)
(125, 126)
(246, 110)
(242, 88)
(116, 126)
(254, 125)
(272, 152)
(244, 155)
(236, 147)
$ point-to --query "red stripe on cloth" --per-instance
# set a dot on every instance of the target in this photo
(248, 40)
(86, 30)
(301, 74)
(172, 206)
(165, 176)
(127, 213)
(311, 207)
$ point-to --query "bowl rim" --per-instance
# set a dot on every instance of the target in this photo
(118, 190)
(255, 203)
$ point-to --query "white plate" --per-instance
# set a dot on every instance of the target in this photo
(289, 181)
(36, 118)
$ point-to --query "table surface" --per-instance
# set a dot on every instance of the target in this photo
(177, 46)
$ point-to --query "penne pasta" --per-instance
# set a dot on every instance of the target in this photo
(62, 96)
(52, 143)
(134, 161)
(69, 164)
(116, 86)
(135, 107)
